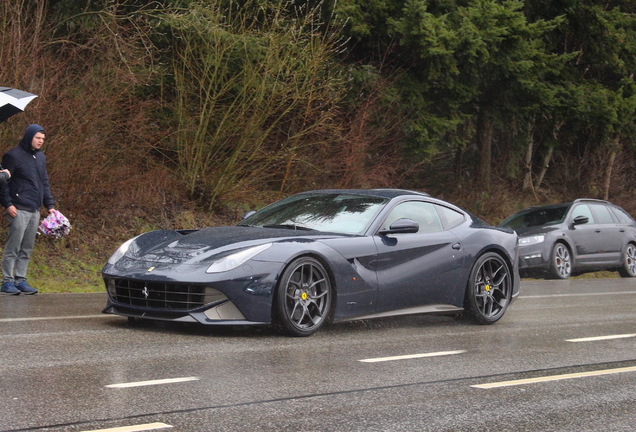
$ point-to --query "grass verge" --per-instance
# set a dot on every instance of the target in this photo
(59, 266)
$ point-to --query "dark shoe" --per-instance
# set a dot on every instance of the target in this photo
(9, 288)
(25, 288)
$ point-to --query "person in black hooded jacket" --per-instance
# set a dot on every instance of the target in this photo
(4, 175)
(22, 196)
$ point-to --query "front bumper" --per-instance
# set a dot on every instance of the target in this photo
(222, 314)
(186, 293)
(534, 259)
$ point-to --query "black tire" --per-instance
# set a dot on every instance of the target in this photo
(489, 289)
(560, 262)
(303, 298)
(628, 269)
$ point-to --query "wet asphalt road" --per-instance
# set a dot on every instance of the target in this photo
(60, 358)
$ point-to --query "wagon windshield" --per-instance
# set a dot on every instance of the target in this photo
(327, 212)
(537, 217)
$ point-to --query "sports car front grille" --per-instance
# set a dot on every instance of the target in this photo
(161, 296)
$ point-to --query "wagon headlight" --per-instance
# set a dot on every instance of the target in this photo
(119, 253)
(230, 262)
(525, 241)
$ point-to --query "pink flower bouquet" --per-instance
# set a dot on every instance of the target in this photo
(55, 224)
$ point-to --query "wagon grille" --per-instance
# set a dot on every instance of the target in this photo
(161, 296)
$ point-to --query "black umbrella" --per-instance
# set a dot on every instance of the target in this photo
(13, 101)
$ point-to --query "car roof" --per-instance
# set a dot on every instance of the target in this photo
(380, 192)
(592, 200)
(579, 200)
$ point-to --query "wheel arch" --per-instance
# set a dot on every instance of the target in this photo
(472, 310)
(627, 243)
(567, 244)
(324, 262)
(459, 296)
(503, 253)
(553, 270)
(623, 269)
(630, 242)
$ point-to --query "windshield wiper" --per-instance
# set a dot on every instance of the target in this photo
(289, 226)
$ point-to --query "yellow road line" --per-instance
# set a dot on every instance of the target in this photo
(555, 378)
(141, 427)
(534, 296)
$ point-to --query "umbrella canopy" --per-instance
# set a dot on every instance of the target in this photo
(13, 101)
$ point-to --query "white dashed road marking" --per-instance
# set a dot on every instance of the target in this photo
(600, 338)
(53, 318)
(412, 356)
(153, 382)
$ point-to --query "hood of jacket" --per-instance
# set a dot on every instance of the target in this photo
(29, 133)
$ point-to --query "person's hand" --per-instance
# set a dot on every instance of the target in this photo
(6, 171)
(51, 210)
(12, 211)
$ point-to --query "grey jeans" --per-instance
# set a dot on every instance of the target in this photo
(21, 231)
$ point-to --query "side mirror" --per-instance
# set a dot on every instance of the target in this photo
(580, 220)
(402, 226)
(248, 214)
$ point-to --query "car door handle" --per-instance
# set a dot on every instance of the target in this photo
(456, 246)
(597, 230)
(622, 230)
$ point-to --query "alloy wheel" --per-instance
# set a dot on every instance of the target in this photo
(562, 261)
(629, 262)
(492, 286)
(307, 297)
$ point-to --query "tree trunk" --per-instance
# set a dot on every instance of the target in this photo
(459, 155)
(609, 167)
(548, 156)
(544, 167)
(485, 150)
(527, 178)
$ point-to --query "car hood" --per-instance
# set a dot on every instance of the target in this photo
(210, 243)
(530, 231)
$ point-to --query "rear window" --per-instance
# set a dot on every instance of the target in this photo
(450, 218)
(623, 216)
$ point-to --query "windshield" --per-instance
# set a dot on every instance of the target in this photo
(537, 217)
(329, 212)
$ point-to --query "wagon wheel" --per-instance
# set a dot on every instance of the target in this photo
(628, 269)
(560, 262)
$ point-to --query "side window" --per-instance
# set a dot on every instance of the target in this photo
(583, 210)
(450, 218)
(623, 216)
(603, 214)
(421, 212)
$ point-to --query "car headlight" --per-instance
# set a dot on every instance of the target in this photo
(119, 253)
(230, 262)
(525, 241)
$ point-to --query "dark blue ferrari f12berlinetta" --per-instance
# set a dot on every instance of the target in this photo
(319, 256)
